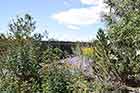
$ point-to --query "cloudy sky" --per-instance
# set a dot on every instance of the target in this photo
(68, 20)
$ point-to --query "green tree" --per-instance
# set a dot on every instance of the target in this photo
(117, 50)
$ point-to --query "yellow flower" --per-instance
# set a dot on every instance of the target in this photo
(87, 51)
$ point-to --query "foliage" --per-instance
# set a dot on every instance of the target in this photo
(21, 65)
(117, 50)
(79, 83)
(52, 54)
(25, 68)
(62, 77)
(56, 80)
(105, 68)
(57, 76)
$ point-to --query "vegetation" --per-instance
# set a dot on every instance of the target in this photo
(27, 68)
(21, 64)
(117, 50)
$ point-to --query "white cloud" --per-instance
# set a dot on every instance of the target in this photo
(96, 3)
(73, 27)
(81, 16)
(90, 2)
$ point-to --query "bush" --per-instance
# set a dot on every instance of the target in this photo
(21, 65)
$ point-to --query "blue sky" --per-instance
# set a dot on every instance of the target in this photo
(68, 20)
